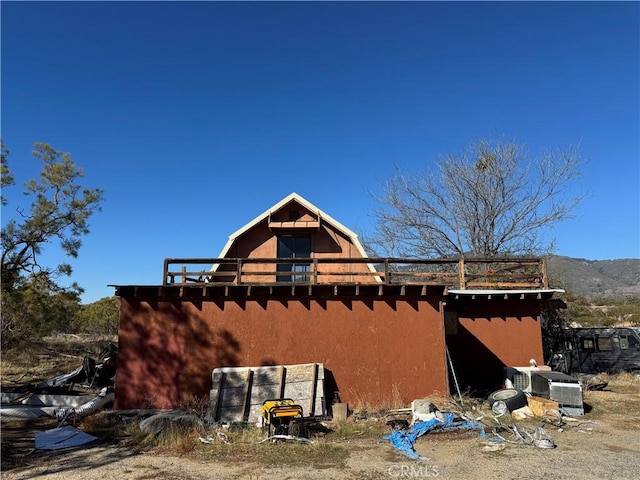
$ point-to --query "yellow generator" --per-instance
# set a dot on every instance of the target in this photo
(284, 416)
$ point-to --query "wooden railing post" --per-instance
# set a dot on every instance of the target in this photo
(165, 280)
(238, 271)
(545, 276)
(387, 280)
(461, 274)
(315, 271)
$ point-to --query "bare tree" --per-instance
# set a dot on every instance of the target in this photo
(492, 200)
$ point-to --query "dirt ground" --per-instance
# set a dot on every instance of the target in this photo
(605, 443)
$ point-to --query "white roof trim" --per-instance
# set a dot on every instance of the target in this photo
(308, 205)
(503, 292)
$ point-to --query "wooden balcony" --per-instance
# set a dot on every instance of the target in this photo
(493, 273)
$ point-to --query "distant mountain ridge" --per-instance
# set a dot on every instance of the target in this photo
(595, 277)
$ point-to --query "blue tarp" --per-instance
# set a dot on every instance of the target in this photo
(63, 437)
(404, 440)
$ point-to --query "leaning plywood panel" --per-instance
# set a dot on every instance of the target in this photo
(237, 393)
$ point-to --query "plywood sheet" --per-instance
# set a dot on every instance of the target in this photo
(237, 393)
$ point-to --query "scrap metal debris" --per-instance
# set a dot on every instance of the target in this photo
(89, 375)
(520, 435)
(104, 397)
(80, 392)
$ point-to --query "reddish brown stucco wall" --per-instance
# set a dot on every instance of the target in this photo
(380, 352)
(486, 342)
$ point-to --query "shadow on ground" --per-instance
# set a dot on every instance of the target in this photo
(18, 452)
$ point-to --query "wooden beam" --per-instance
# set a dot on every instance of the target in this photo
(283, 377)
(216, 405)
(314, 381)
(246, 401)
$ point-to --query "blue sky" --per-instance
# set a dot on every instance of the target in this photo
(196, 117)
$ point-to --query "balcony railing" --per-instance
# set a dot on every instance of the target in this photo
(493, 273)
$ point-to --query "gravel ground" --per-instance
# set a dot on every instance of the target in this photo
(604, 444)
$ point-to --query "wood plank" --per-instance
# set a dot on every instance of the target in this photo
(247, 396)
(233, 399)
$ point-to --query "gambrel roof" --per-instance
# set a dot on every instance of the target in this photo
(291, 198)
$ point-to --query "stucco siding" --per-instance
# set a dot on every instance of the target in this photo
(380, 352)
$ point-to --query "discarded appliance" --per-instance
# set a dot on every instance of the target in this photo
(520, 377)
(545, 383)
(284, 416)
(561, 388)
(238, 393)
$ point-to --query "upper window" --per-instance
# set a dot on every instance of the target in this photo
(293, 246)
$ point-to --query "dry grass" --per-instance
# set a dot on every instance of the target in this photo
(362, 402)
(341, 431)
(622, 382)
(247, 445)
(619, 403)
(53, 356)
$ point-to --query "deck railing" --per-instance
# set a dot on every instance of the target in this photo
(490, 273)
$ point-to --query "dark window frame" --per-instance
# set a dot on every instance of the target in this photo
(605, 343)
(293, 246)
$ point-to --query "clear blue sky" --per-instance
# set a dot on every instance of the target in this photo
(196, 117)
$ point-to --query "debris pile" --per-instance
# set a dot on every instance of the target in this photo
(506, 408)
(78, 393)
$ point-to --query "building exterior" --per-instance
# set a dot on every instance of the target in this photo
(295, 286)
